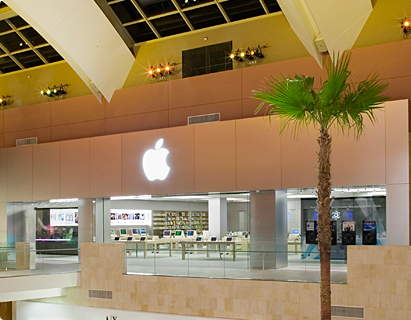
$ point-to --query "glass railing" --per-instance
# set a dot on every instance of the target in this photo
(23, 260)
(214, 261)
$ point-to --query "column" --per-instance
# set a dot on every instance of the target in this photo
(398, 214)
(268, 230)
(103, 223)
(217, 217)
(86, 219)
(3, 222)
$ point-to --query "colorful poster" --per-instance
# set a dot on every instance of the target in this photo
(63, 217)
(130, 217)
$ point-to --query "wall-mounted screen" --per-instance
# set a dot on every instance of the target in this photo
(63, 217)
(130, 217)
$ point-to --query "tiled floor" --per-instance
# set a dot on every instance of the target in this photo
(46, 264)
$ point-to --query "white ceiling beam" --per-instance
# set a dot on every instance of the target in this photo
(81, 33)
(336, 22)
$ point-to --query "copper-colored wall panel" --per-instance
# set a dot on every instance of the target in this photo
(398, 88)
(27, 117)
(46, 171)
(397, 142)
(229, 110)
(78, 130)
(249, 107)
(1, 122)
(299, 158)
(137, 122)
(255, 78)
(147, 98)
(43, 135)
(76, 110)
(206, 89)
(106, 166)
(20, 173)
(75, 169)
(3, 174)
(179, 141)
(258, 154)
(355, 161)
(214, 154)
(386, 60)
(164, 104)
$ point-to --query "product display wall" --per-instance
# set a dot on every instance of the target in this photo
(350, 217)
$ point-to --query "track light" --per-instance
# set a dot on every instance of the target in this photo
(55, 91)
(5, 101)
(161, 71)
(406, 26)
(250, 55)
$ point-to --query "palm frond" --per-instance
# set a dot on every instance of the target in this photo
(293, 99)
(337, 82)
(360, 102)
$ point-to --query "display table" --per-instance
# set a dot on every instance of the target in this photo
(185, 244)
(147, 243)
(295, 244)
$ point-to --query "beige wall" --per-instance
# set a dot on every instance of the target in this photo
(378, 281)
(245, 154)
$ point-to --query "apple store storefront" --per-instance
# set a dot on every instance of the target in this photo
(229, 199)
(242, 234)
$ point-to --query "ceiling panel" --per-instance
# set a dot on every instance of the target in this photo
(7, 65)
(28, 59)
(205, 17)
(170, 25)
(141, 32)
(21, 46)
(243, 9)
(155, 7)
(151, 19)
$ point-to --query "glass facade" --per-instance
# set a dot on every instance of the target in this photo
(269, 235)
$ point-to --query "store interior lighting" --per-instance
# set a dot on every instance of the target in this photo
(140, 197)
(63, 200)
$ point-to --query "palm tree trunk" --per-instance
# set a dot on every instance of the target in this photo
(324, 220)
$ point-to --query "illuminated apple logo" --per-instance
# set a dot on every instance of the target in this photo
(155, 162)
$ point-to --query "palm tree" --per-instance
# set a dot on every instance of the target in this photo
(336, 104)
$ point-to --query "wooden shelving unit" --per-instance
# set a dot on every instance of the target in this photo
(179, 220)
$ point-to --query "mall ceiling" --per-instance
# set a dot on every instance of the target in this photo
(150, 19)
(103, 31)
(21, 47)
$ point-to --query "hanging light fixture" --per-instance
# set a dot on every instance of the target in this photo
(161, 71)
(54, 91)
(406, 26)
(5, 101)
(250, 55)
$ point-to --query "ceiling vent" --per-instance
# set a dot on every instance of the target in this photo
(347, 312)
(25, 141)
(100, 294)
(203, 118)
